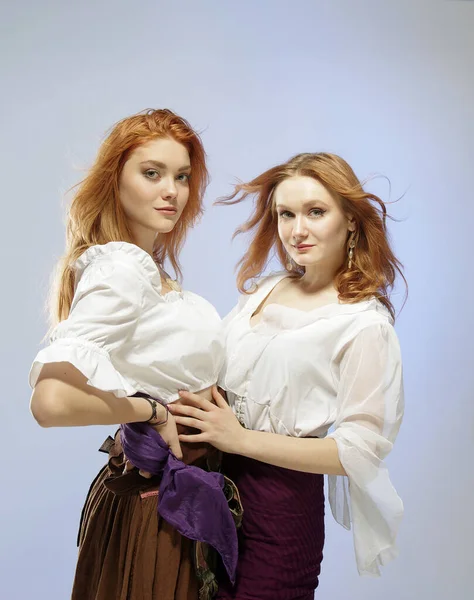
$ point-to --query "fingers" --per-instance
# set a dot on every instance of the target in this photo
(187, 411)
(145, 474)
(181, 409)
(220, 400)
(222, 392)
(175, 448)
(169, 434)
(196, 400)
(189, 422)
(128, 466)
(197, 438)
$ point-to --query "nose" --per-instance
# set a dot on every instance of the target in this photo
(300, 230)
(169, 190)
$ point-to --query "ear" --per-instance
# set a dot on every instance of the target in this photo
(351, 224)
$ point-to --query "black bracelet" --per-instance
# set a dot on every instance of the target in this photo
(153, 402)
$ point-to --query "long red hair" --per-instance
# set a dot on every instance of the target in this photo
(96, 215)
(374, 266)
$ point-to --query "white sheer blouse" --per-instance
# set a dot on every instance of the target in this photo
(301, 373)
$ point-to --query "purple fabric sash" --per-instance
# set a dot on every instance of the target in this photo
(190, 499)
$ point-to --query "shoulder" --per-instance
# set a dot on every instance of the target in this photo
(367, 313)
(126, 263)
(268, 281)
(250, 299)
(263, 286)
(369, 325)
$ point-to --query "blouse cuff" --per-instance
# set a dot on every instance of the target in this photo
(91, 360)
(366, 499)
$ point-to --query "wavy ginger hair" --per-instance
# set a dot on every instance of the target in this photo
(374, 266)
(96, 215)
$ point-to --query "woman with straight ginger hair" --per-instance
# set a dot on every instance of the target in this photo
(307, 349)
(127, 340)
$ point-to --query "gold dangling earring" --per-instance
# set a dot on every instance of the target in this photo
(289, 265)
(351, 249)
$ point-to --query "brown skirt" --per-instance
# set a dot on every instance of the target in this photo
(126, 550)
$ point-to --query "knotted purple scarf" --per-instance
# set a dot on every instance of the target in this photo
(190, 499)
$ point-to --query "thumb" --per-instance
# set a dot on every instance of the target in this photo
(127, 466)
(145, 474)
(175, 448)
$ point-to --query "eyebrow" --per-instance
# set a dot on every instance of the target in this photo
(161, 165)
(305, 204)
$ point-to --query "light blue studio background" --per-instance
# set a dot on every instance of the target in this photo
(389, 86)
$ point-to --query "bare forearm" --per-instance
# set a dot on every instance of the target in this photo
(308, 455)
(81, 408)
(62, 398)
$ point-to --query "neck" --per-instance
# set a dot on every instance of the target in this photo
(317, 279)
(144, 239)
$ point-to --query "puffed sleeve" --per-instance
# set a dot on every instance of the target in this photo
(370, 411)
(96, 335)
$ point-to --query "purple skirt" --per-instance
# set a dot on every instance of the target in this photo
(282, 535)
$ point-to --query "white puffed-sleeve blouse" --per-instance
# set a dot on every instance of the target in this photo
(126, 336)
(300, 373)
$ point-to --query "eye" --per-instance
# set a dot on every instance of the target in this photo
(184, 177)
(285, 214)
(317, 212)
(152, 174)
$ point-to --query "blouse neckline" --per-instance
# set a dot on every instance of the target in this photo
(152, 270)
(282, 317)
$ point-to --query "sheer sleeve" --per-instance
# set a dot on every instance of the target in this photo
(370, 410)
(101, 323)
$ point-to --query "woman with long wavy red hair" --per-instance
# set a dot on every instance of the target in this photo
(308, 349)
(127, 339)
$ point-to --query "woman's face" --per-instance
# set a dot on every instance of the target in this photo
(154, 187)
(311, 223)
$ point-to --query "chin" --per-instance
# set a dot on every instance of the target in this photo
(165, 228)
(164, 224)
(304, 262)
